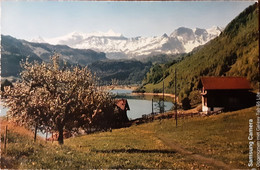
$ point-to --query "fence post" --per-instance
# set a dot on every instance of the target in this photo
(163, 97)
(152, 106)
(46, 134)
(35, 132)
(175, 98)
(5, 139)
(51, 137)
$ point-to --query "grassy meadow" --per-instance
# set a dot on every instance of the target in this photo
(210, 142)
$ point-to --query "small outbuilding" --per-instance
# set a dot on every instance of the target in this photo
(121, 110)
(225, 93)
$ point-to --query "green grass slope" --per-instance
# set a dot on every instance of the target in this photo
(214, 142)
(233, 53)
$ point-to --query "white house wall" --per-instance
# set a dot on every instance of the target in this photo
(205, 109)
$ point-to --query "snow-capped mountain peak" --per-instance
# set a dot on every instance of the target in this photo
(115, 45)
(215, 30)
(109, 33)
(39, 39)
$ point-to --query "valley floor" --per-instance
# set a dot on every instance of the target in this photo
(210, 142)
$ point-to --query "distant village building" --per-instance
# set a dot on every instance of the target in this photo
(225, 93)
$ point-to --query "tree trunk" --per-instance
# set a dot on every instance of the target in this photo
(60, 138)
(35, 132)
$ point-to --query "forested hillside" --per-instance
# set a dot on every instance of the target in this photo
(120, 71)
(233, 53)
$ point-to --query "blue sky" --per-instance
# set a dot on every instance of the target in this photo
(30, 19)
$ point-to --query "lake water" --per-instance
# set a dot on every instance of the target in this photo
(141, 104)
(3, 110)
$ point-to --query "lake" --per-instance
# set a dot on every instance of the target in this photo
(141, 104)
(3, 110)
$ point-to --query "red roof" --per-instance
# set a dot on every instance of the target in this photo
(225, 83)
(122, 104)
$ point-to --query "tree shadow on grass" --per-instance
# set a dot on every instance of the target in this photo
(135, 151)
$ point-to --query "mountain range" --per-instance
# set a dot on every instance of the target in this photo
(117, 46)
(123, 71)
(14, 51)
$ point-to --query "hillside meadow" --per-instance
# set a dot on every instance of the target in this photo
(210, 142)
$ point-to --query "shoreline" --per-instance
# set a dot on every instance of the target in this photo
(133, 88)
(117, 87)
(155, 94)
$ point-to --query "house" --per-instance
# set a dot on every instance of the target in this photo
(121, 110)
(115, 118)
(225, 93)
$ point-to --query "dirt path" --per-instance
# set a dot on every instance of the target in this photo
(194, 156)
